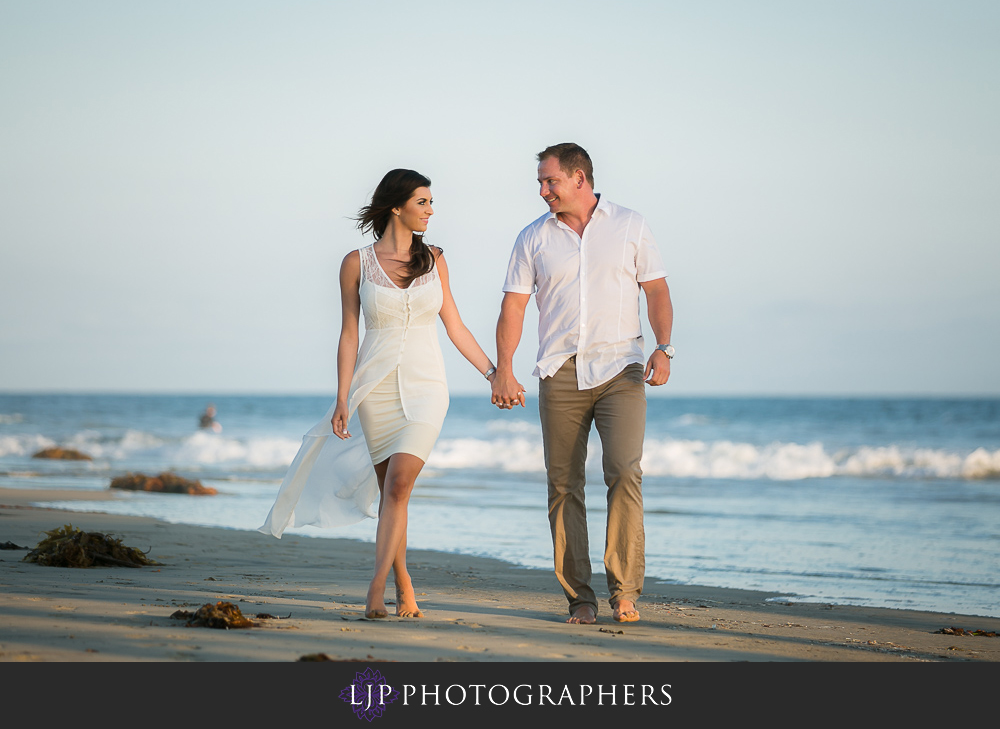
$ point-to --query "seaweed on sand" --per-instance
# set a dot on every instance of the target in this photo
(62, 454)
(166, 482)
(222, 614)
(318, 657)
(962, 631)
(71, 547)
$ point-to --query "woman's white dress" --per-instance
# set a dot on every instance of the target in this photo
(331, 482)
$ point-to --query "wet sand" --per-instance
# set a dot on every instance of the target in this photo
(475, 609)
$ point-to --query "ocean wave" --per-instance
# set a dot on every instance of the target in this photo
(505, 454)
(210, 448)
(519, 450)
(132, 442)
(732, 460)
(922, 462)
(724, 459)
(199, 449)
(6, 418)
(23, 445)
(789, 461)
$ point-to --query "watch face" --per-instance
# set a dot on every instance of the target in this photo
(668, 350)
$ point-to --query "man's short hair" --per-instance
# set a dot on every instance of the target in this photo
(572, 157)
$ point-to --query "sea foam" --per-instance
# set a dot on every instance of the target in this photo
(732, 460)
(201, 448)
(23, 445)
(518, 448)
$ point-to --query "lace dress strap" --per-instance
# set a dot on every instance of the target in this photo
(427, 278)
(371, 270)
(431, 275)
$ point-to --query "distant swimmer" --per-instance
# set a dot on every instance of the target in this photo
(207, 420)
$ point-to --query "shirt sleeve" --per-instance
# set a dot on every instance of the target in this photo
(648, 263)
(521, 269)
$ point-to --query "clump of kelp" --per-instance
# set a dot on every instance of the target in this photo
(166, 482)
(68, 546)
(222, 614)
(62, 454)
(320, 657)
(963, 631)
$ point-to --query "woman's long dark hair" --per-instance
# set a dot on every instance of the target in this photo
(395, 189)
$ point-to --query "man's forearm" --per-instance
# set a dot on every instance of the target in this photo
(509, 329)
(660, 310)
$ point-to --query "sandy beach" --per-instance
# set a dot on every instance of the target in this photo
(475, 609)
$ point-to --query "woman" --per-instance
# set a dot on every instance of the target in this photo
(394, 386)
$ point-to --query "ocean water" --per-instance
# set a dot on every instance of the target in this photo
(883, 502)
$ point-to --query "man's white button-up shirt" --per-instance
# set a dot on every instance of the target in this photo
(586, 289)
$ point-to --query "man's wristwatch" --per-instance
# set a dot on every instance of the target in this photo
(666, 349)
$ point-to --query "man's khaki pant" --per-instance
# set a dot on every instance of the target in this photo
(618, 408)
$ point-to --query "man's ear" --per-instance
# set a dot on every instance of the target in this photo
(579, 178)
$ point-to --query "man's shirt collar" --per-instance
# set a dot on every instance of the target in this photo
(602, 205)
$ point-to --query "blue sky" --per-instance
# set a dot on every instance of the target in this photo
(177, 181)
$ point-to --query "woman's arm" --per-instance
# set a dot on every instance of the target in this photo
(458, 333)
(347, 350)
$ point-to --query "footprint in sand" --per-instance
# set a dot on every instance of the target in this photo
(461, 621)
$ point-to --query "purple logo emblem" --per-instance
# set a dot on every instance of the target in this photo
(369, 694)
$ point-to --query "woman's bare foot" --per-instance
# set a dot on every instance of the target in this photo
(583, 615)
(625, 612)
(406, 601)
(375, 603)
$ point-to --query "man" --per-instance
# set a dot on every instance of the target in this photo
(586, 261)
(207, 420)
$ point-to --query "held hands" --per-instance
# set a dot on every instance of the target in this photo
(507, 392)
(659, 366)
(339, 422)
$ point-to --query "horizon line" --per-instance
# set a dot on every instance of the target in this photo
(470, 393)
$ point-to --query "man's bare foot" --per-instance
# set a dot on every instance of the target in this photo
(583, 615)
(625, 612)
(406, 602)
(375, 604)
